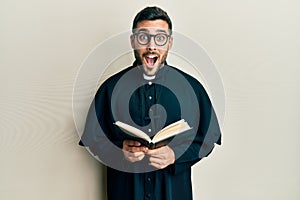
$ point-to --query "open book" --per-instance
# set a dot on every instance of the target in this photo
(161, 138)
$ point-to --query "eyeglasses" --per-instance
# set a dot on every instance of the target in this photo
(144, 38)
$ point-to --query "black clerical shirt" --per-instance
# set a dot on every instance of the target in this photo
(150, 105)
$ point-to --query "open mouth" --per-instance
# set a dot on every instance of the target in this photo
(151, 59)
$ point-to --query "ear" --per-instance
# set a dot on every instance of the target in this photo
(170, 42)
(132, 41)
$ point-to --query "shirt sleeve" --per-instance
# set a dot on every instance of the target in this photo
(194, 146)
(99, 134)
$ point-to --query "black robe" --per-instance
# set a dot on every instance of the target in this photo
(150, 105)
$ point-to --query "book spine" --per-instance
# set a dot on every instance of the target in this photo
(151, 145)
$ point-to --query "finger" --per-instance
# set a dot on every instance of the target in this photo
(130, 156)
(159, 153)
(127, 143)
(132, 143)
(138, 149)
(137, 154)
(156, 165)
(141, 157)
(163, 160)
(133, 157)
(135, 149)
(158, 156)
(156, 161)
(153, 151)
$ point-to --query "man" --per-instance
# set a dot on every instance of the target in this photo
(150, 95)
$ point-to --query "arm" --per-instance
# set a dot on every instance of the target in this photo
(207, 135)
(188, 148)
(105, 141)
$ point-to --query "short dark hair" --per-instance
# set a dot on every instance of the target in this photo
(152, 13)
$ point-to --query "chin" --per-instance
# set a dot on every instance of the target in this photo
(150, 71)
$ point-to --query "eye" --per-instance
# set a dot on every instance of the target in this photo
(160, 37)
(143, 37)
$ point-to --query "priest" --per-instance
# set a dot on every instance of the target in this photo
(150, 95)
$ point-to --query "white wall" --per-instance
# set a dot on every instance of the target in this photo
(255, 45)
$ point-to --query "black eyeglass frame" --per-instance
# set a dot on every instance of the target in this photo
(152, 36)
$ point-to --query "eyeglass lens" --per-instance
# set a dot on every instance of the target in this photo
(160, 39)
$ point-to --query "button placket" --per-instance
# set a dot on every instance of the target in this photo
(149, 187)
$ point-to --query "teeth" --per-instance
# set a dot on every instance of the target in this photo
(152, 56)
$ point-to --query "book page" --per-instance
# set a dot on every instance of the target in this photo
(171, 125)
(133, 131)
(171, 130)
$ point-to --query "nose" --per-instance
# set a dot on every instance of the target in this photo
(151, 45)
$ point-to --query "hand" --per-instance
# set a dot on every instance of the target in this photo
(161, 157)
(133, 151)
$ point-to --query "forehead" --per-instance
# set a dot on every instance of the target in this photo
(153, 25)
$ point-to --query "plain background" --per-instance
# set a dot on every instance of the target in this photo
(255, 45)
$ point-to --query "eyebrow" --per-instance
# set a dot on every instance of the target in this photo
(147, 30)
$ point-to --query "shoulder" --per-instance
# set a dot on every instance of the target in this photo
(194, 82)
(115, 77)
(107, 87)
(198, 88)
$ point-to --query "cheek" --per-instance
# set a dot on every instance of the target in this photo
(137, 53)
(163, 54)
(163, 50)
(140, 51)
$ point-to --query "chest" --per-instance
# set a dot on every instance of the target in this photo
(150, 106)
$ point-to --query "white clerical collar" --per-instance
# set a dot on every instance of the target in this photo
(148, 78)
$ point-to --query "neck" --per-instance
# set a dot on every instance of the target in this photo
(148, 78)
